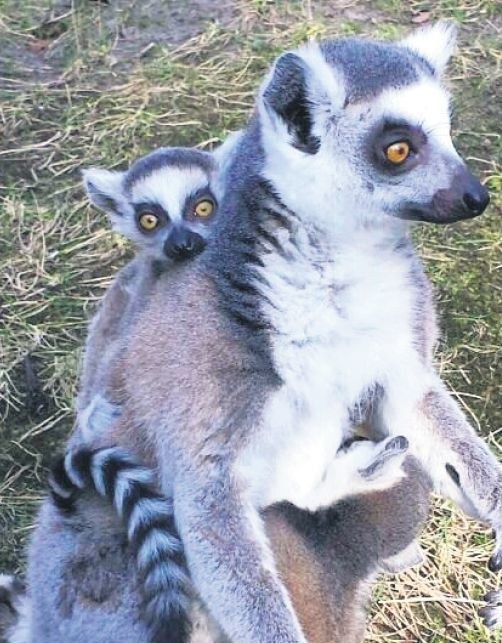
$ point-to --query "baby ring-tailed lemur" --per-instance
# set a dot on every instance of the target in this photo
(165, 203)
(309, 303)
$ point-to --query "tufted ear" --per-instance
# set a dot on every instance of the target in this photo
(435, 44)
(105, 189)
(286, 95)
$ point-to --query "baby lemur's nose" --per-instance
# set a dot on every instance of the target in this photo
(183, 243)
(476, 197)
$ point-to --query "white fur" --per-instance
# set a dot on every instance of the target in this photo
(425, 104)
(326, 91)
(102, 185)
(73, 474)
(170, 187)
(351, 327)
(435, 44)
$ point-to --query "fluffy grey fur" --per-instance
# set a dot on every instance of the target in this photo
(84, 584)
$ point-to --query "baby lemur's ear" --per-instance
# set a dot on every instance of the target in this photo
(435, 44)
(105, 189)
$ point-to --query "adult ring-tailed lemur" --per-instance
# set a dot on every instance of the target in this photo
(308, 300)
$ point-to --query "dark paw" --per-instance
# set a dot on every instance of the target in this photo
(492, 613)
(495, 562)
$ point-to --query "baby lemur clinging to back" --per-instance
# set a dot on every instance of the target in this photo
(165, 203)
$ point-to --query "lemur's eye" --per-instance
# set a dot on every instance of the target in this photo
(398, 152)
(204, 208)
(148, 221)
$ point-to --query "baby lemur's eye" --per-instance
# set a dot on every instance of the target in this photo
(204, 208)
(148, 221)
(398, 152)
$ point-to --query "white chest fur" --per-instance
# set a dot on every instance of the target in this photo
(343, 322)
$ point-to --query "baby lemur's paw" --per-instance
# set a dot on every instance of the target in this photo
(492, 613)
(388, 457)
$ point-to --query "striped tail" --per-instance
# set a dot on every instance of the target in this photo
(151, 530)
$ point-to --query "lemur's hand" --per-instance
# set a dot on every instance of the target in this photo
(492, 613)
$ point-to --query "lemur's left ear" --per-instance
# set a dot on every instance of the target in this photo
(286, 95)
(435, 44)
(105, 189)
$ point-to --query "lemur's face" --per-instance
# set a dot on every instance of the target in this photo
(164, 203)
(402, 161)
(363, 129)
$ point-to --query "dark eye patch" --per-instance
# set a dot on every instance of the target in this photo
(394, 131)
(194, 198)
(145, 207)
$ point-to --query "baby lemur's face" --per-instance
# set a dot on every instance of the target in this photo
(164, 202)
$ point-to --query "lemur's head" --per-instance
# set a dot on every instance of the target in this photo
(164, 202)
(355, 128)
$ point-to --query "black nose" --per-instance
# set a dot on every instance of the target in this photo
(476, 197)
(183, 243)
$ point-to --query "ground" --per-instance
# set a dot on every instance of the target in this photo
(85, 82)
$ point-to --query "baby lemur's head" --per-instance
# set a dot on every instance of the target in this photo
(164, 203)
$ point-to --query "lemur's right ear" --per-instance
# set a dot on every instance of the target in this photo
(104, 189)
(287, 96)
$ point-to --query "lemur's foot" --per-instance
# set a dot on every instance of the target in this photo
(492, 613)
(389, 455)
(412, 556)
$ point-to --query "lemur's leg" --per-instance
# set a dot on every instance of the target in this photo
(229, 558)
(459, 462)
(412, 556)
(363, 467)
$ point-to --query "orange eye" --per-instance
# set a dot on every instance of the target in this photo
(397, 153)
(148, 221)
(204, 208)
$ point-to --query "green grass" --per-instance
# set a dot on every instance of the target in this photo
(92, 104)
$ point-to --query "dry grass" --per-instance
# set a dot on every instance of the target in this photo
(100, 94)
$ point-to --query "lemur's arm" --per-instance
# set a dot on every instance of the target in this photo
(229, 558)
(460, 463)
